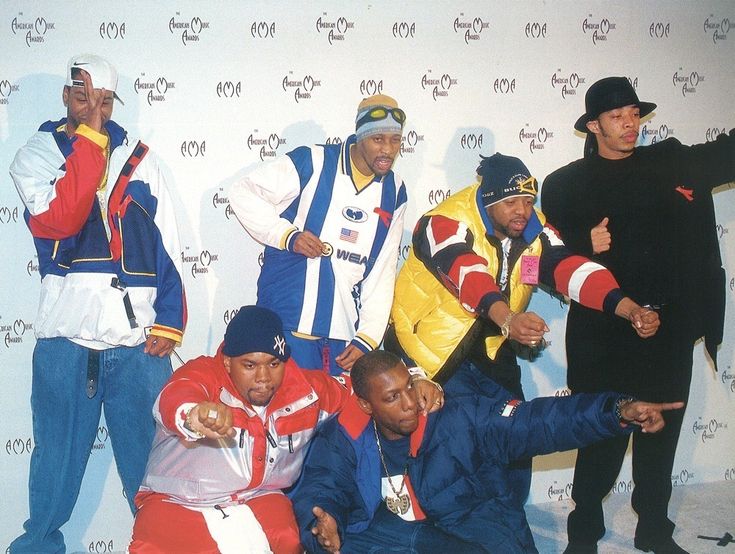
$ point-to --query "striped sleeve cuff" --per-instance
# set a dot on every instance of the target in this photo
(167, 332)
(365, 344)
(612, 300)
(288, 239)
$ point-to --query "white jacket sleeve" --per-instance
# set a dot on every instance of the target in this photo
(376, 297)
(259, 199)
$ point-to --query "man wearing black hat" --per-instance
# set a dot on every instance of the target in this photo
(647, 214)
(459, 306)
(231, 433)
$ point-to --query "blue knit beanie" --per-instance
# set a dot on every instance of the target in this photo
(504, 177)
(255, 329)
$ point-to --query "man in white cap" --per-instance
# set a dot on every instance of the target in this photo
(331, 220)
(112, 303)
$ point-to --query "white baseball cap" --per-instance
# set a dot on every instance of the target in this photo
(102, 72)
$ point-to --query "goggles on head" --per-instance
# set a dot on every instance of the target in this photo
(378, 113)
(528, 186)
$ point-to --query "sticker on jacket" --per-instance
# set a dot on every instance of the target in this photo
(509, 409)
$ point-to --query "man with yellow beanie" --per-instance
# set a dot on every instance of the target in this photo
(330, 218)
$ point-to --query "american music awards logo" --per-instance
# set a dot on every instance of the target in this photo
(103, 434)
(536, 139)
(566, 83)
(8, 214)
(437, 196)
(302, 88)
(404, 29)
(728, 378)
(219, 200)
(6, 89)
(155, 90)
(369, 87)
(267, 145)
(334, 29)
(15, 331)
(190, 29)
(535, 29)
(598, 29)
(409, 141)
(470, 27)
(659, 29)
(32, 29)
(263, 29)
(32, 266)
(558, 491)
(193, 148)
(651, 133)
(19, 446)
(682, 478)
(688, 81)
(112, 30)
(708, 429)
(229, 89)
(504, 85)
(622, 487)
(200, 263)
(227, 315)
(439, 87)
(718, 28)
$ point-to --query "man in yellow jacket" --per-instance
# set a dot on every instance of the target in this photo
(460, 298)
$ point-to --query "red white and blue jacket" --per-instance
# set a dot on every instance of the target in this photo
(266, 454)
(347, 294)
(109, 257)
(457, 467)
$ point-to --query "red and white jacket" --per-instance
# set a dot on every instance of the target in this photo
(264, 457)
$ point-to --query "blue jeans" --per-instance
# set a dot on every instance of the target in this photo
(388, 533)
(65, 422)
(316, 353)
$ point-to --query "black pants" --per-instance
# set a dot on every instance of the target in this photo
(604, 353)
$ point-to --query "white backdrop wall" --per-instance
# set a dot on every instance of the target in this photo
(216, 88)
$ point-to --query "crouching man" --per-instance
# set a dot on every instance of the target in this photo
(382, 474)
(232, 432)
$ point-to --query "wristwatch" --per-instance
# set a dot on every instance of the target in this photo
(622, 401)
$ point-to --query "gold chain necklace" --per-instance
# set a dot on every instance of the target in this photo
(402, 502)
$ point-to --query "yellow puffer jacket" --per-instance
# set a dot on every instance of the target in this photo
(430, 322)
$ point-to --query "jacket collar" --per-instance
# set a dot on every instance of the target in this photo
(355, 422)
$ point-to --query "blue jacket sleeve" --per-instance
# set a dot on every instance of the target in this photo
(546, 425)
(328, 481)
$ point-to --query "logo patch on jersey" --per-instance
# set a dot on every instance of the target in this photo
(348, 234)
(509, 409)
(356, 215)
(351, 257)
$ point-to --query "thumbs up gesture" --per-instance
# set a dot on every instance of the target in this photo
(600, 236)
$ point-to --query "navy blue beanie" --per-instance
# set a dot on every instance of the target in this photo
(255, 329)
(504, 177)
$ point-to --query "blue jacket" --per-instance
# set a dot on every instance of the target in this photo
(458, 464)
(104, 228)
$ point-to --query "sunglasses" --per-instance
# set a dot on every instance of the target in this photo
(378, 113)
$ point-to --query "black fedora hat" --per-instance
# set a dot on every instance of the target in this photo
(607, 94)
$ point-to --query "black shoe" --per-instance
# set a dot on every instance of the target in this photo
(665, 546)
(581, 548)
